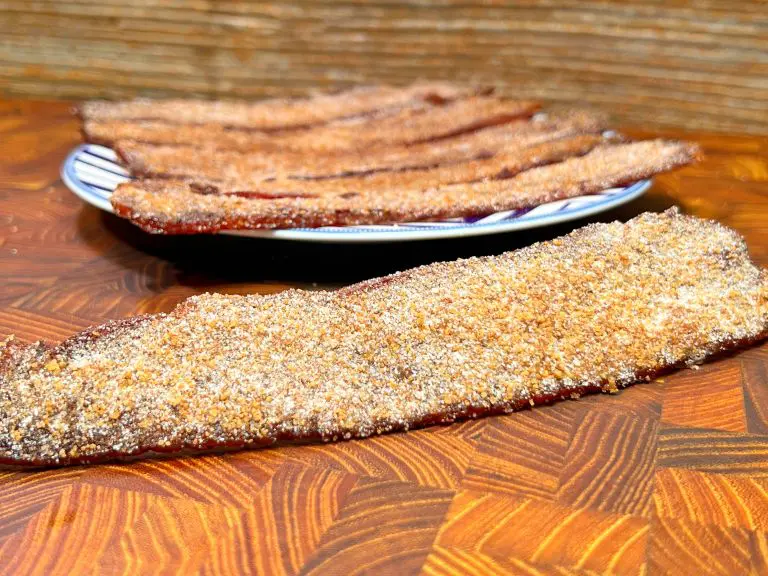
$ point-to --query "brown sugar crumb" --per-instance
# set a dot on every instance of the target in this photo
(604, 307)
(53, 366)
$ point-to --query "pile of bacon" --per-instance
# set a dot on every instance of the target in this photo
(367, 155)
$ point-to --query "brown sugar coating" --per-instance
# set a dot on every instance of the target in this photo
(502, 165)
(393, 127)
(598, 309)
(372, 155)
(174, 207)
(410, 126)
(202, 161)
(275, 114)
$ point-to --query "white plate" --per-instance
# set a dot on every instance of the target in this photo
(92, 173)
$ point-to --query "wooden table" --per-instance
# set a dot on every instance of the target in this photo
(670, 476)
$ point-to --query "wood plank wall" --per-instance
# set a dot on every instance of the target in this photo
(699, 65)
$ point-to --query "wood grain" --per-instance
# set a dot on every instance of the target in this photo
(665, 477)
(680, 547)
(719, 405)
(702, 65)
(553, 534)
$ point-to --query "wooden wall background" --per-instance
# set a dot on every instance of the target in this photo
(698, 65)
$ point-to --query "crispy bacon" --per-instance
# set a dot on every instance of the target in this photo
(394, 127)
(424, 152)
(173, 207)
(276, 114)
(502, 165)
(602, 308)
(208, 163)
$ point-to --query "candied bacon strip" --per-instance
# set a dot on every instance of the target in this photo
(209, 163)
(407, 127)
(175, 208)
(291, 150)
(108, 132)
(392, 127)
(604, 307)
(504, 164)
(276, 114)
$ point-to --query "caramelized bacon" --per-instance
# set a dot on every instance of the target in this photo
(404, 126)
(276, 114)
(424, 152)
(602, 308)
(208, 163)
(502, 165)
(174, 208)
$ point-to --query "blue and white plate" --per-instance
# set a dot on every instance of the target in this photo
(92, 172)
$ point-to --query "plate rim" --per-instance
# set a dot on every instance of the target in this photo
(361, 235)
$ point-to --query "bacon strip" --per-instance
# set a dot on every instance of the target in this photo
(207, 163)
(407, 127)
(109, 132)
(403, 126)
(602, 308)
(277, 114)
(504, 164)
(175, 208)
(403, 129)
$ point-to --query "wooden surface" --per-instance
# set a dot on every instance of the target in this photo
(675, 63)
(666, 477)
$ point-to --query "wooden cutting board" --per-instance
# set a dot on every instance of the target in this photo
(666, 477)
